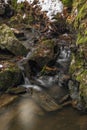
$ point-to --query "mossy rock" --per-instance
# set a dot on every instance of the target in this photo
(44, 52)
(76, 63)
(82, 78)
(82, 15)
(82, 39)
(79, 60)
(10, 75)
(9, 42)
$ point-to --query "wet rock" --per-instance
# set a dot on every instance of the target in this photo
(6, 99)
(73, 86)
(57, 92)
(44, 99)
(10, 75)
(9, 42)
(16, 90)
(78, 100)
(82, 78)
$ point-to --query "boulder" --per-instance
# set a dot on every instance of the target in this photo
(9, 42)
(10, 75)
(45, 52)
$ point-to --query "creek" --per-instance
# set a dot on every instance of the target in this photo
(25, 114)
(50, 89)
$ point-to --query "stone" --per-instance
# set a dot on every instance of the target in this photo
(10, 75)
(6, 99)
(9, 42)
(44, 52)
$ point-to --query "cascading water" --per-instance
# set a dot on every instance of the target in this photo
(44, 85)
(48, 89)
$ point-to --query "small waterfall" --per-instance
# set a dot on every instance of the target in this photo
(21, 65)
(64, 58)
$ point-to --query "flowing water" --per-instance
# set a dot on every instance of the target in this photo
(25, 114)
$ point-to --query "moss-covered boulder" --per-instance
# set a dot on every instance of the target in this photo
(9, 42)
(10, 75)
(44, 52)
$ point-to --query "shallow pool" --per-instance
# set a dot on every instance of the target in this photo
(25, 114)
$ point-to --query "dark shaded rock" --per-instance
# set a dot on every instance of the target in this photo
(6, 9)
(16, 90)
(18, 34)
(59, 26)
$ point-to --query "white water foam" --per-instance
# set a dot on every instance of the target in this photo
(52, 7)
(1, 66)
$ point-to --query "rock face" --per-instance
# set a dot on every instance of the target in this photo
(9, 42)
(10, 75)
(79, 58)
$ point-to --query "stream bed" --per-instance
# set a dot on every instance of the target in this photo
(25, 114)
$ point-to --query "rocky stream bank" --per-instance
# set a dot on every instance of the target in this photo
(45, 58)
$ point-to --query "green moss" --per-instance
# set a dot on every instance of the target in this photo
(82, 78)
(80, 3)
(77, 63)
(82, 14)
(82, 39)
(43, 71)
(67, 3)
(14, 4)
(48, 43)
(82, 75)
(9, 42)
